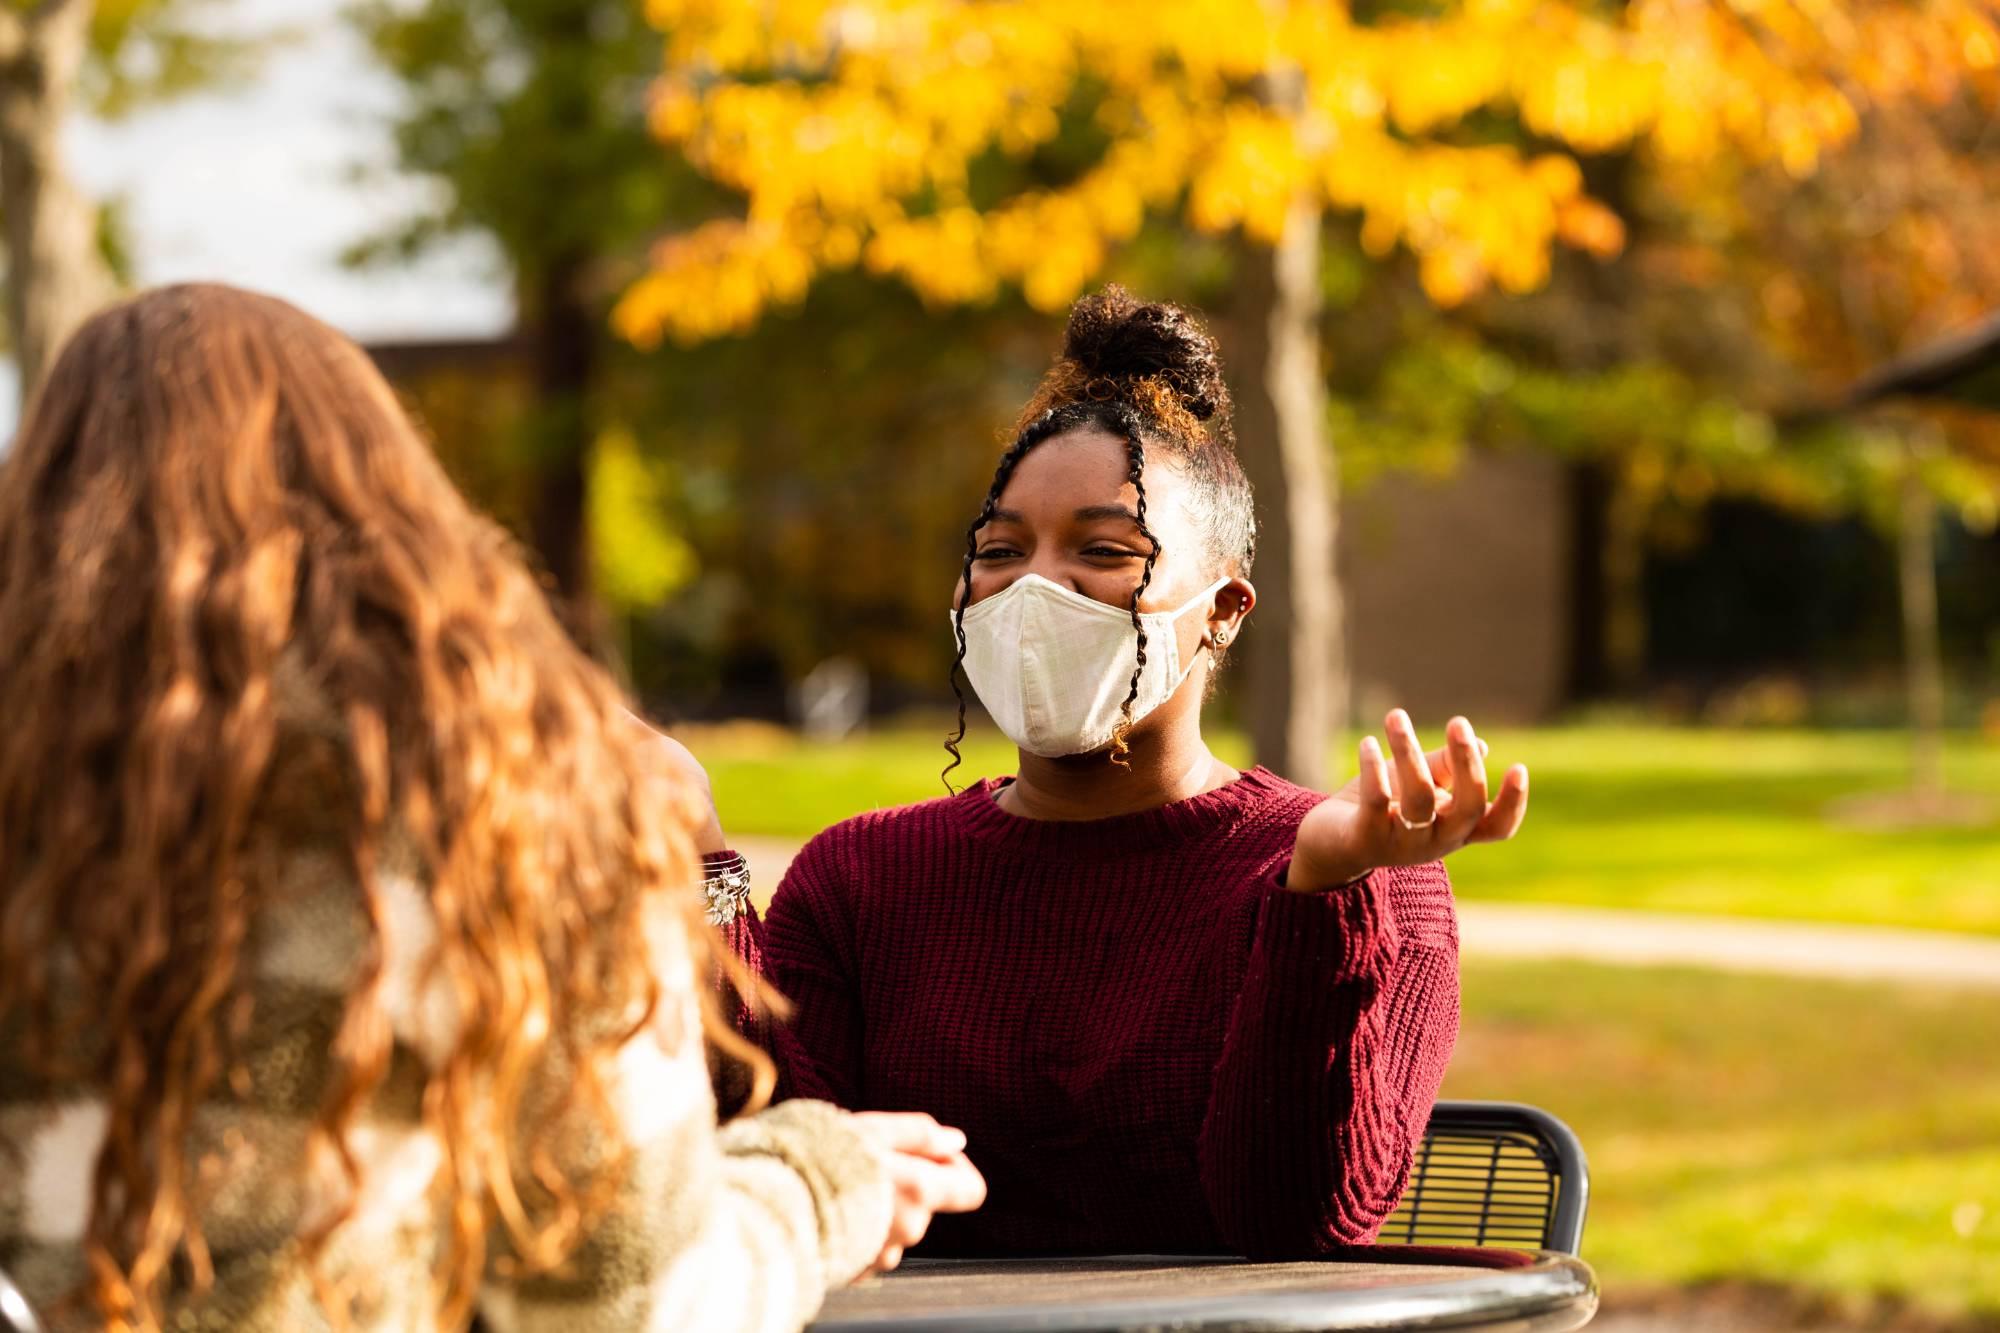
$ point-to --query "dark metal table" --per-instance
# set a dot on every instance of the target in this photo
(1545, 1293)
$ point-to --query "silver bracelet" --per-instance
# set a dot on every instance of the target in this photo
(725, 887)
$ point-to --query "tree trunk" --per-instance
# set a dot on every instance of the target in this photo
(1923, 660)
(563, 347)
(1624, 570)
(1590, 488)
(1297, 662)
(56, 273)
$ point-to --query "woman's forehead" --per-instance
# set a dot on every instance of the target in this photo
(1090, 467)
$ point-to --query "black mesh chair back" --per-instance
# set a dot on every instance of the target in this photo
(15, 1316)
(1494, 1173)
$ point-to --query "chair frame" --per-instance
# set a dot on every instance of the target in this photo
(1554, 1142)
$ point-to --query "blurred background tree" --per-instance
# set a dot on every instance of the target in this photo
(1654, 372)
(964, 147)
(1765, 293)
(717, 522)
(529, 114)
(1889, 247)
(111, 56)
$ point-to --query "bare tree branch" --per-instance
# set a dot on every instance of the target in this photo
(62, 38)
(33, 33)
(56, 273)
(13, 35)
(51, 11)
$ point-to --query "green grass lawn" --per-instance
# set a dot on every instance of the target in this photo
(1645, 817)
(1840, 1138)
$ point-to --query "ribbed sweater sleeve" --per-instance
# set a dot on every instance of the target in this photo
(736, 1230)
(810, 957)
(1333, 1058)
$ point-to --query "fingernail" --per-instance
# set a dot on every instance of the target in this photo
(1484, 749)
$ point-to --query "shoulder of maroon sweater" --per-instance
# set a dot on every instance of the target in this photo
(853, 853)
(1260, 787)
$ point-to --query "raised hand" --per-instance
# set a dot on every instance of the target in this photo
(1407, 808)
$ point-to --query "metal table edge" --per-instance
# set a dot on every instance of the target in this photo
(1557, 1292)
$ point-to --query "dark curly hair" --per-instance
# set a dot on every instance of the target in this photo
(1149, 373)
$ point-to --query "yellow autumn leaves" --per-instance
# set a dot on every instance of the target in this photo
(853, 128)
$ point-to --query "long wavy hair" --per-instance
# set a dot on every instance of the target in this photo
(212, 490)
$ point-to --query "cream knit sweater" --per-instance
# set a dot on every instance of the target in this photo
(742, 1228)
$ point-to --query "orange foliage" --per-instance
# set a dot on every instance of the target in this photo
(851, 127)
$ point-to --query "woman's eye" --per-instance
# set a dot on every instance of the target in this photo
(996, 553)
(1110, 552)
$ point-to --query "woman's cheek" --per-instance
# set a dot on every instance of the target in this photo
(1111, 589)
(1190, 631)
(984, 584)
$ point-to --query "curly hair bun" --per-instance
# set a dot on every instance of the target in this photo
(1114, 336)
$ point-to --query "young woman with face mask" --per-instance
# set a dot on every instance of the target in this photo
(1175, 1007)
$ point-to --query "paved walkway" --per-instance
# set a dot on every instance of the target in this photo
(1654, 939)
(1735, 944)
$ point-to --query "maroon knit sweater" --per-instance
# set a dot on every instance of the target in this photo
(1152, 1046)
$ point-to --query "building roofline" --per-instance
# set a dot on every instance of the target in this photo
(1964, 367)
(419, 356)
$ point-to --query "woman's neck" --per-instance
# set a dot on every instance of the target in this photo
(1160, 769)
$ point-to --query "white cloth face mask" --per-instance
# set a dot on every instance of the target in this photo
(1053, 667)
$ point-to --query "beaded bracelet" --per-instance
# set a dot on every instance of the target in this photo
(725, 886)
